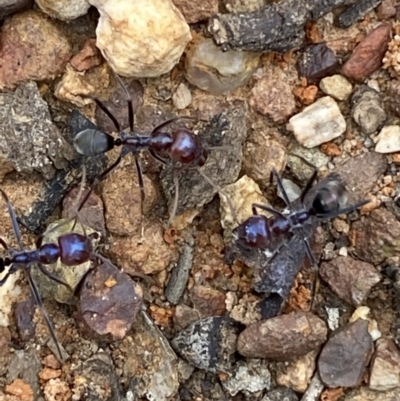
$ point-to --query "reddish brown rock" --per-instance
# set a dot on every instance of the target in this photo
(33, 48)
(195, 11)
(88, 57)
(386, 9)
(284, 337)
(345, 356)
(20, 389)
(208, 301)
(184, 316)
(350, 279)
(367, 56)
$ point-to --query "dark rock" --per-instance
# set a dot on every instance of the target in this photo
(9, 7)
(376, 236)
(345, 356)
(283, 338)
(317, 62)
(207, 300)
(392, 101)
(24, 312)
(355, 12)
(33, 48)
(280, 394)
(350, 279)
(208, 344)
(109, 301)
(367, 110)
(367, 56)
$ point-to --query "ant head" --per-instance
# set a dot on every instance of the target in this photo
(329, 198)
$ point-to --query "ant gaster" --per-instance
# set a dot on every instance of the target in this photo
(72, 248)
(181, 147)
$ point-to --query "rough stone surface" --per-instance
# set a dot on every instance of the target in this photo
(33, 48)
(9, 7)
(336, 86)
(89, 56)
(141, 39)
(385, 367)
(349, 278)
(388, 140)
(194, 11)
(318, 123)
(208, 301)
(64, 10)
(345, 356)
(29, 141)
(181, 97)
(367, 56)
(366, 394)
(283, 338)
(280, 394)
(216, 72)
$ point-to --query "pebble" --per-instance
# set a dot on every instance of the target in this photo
(273, 97)
(318, 123)
(57, 389)
(29, 141)
(386, 9)
(194, 11)
(64, 10)
(182, 97)
(33, 48)
(366, 394)
(280, 394)
(292, 190)
(261, 155)
(349, 278)
(367, 110)
(285, 337)
(393, 96)
(385, 367)
(109, 301)
(376, 236)
(208, 301)
(208, 344)
(362, 312)
(12, 6)
(297, 374)
(89, 56)
(367, 56)
(345, 356)
(184, 316)
(250, 376)
(141, 39)
(217, 72)
(21, 390)
(336, 86)
(24, 313)
(388, 140)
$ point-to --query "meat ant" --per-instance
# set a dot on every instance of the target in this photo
(289, 231)
(180, 148)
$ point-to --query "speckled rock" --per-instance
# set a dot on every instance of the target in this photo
(283, 338)
(321, 122)
(142, 38)
(214, 71)
(336, 86)
(388, 140)
(64, 10)
(33, 48)
(349, 278)
(194, 11)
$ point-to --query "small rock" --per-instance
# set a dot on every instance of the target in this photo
(391, 58)
(321, 122)
(386, 9)
(261, 155)
(392, 101)
(196, 11)
(5, 349)
(240, 6)
(208, 344)
(33, 48)
(109, 301)
(367, 110)
(250, 376)
(29, 141)
(181, 97)
(376, 237)
(273, 97)
(366, 394)
(46, 374)
(12, 6)
(388, 140)
(51, 362)
(349, 278)
(362, 312)
(88, 57)
(57, 389)
(316, 62)
(208, 301)
(345, 356)
(297, 374)
(148, 254)
(184, 316)
(292, 190)
(385, 367)
(247, 310)
(336, 86)
(280, 394)
(141, 39)
(217, 72)
(283, 338)
(24, 313)
(21, 390)
(66, 10)
(367, 56)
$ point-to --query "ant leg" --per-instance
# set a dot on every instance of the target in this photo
(53, 277)
(308, 186)
(11, 271)
(157, 157)
(129, 100)
(344, 210)
(176, 199)
(38, 300)
(281, 188)
(314, 265)
(275, 212)
(103, 107)
(3, 244)
(170, 121)
(14, 222)
(142, 194)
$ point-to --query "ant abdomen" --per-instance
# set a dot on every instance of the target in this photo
(186, 147)
(91, 142)
(75, 248)
(254, 232)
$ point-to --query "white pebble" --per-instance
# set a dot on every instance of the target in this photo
(388, 140)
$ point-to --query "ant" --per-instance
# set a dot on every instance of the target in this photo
(289, 231)
(181, 147)
(71, 248)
